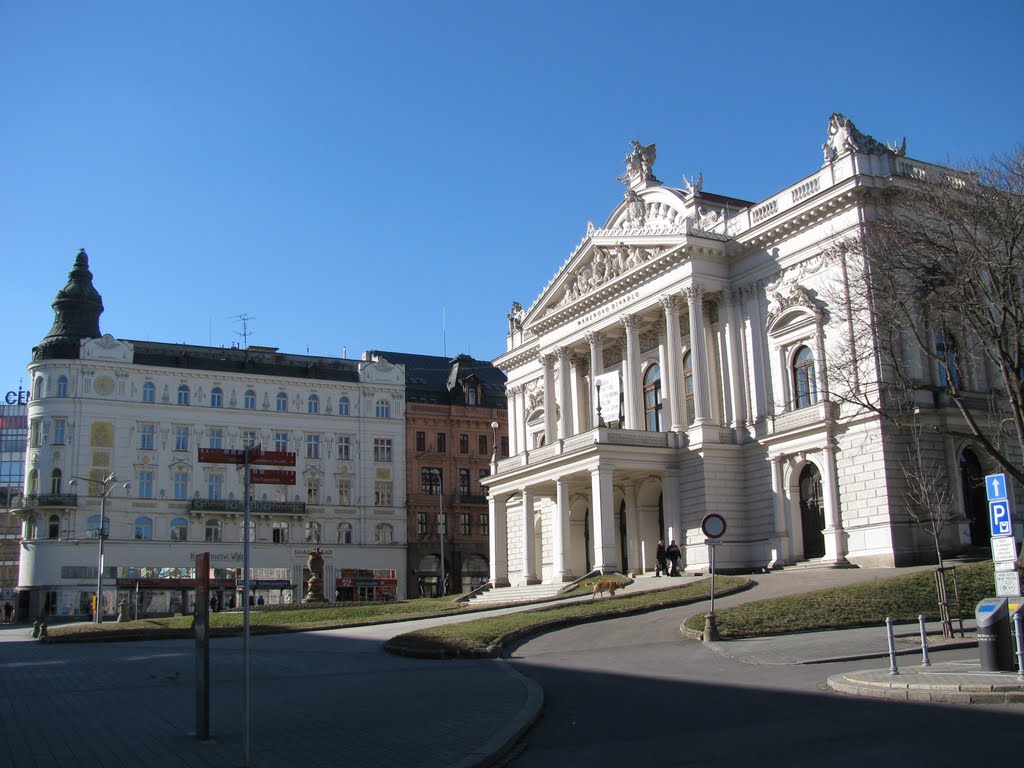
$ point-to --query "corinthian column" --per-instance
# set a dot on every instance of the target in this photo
(596, 341)
(634, 409)
(699, 351)
(548, 361)
(671, 382)
(564, 394)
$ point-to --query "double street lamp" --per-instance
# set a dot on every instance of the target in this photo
(108, 484)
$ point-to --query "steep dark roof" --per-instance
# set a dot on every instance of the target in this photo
(437, 379)
(77, 309)
(264, 361)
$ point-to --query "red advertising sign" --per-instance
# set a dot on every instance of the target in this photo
(221, 456)
(274, 458)
(272, 476)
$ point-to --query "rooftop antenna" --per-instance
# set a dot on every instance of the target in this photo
(245, 333)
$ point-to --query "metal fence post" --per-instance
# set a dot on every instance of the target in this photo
(893, 670)
(924, 644)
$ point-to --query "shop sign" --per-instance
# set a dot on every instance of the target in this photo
(17, 398)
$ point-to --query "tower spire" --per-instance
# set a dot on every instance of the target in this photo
(77, 309)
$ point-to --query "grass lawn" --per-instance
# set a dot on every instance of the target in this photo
(858, 605)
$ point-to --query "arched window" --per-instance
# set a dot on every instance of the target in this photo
(143, 529)
(149, 392)
(383, 409)
(183, 395)
(92, 526)
(62, 386)
(54, 528)
(282, 401)
(343, 406)
(384, 534)
(250, 400)
(55, 482)
(279, 532)
(179, 529)
(33, 481)
(217, 398)
(214, 529)
(37, 390)
(312, 535)
(945, 350)
(344, 533)
(652, 398)
(805, 387)
(691, 410)
(313, 404)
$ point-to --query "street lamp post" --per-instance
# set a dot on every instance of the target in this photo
(494, 442)
(101, 533)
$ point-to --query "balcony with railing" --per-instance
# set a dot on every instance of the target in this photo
(591, 440)
(237, 507)
(42, 500)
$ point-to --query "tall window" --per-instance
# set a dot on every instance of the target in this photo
(343, 406)
(430, 481)
(691, 411)
(217, 398)
(312, 532)
(384, 534)
(344, 533)
(180, 485)
(344, 448)
(215, 486)
(59, 428)
(54, 527)
(216, 438)
(442, 442)
(504, 446)
(313, 490)
(213, 530)
(149, 392)
(344, 491)
(252, 531)
(652, 398)
(465, 524)
(383, 409)
(62, 386)
(280, 441)
(279, 532)
(312, 446)
(181, 438)
(55, 482)
(463, 443)
(313, 404)
(949, 370)
(143, 529)
(249, 401)
(145, 483)
(146, 432)
(482, 445)
(179, 529)
(382, 449)
(38, 389)
(183, 395)
(422, 526)
(805, 388)
(464, 482)
(421, 441)
(282, 401)
(382, 493)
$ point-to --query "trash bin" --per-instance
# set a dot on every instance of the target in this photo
(994, 646)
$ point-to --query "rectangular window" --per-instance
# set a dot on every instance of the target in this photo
(280, 441)
(421, 441)
(482, 445)
(312, 446)
(313, 491)
(483, 523)
(430, 481)
(382, 493)
(249, 438)
(463, 443)
(504, 446)
(483, 473)
(146, 432)
(465, 526)
(181, 438)
(464, 482)
(216, 438)
(344, 448)
(59, 428)
(421, 523)
(181, 485)
(145, 484)
(442, 442)
(215, 484)
(382, 450)
(344, 491)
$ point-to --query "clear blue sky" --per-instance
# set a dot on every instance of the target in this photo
(351, 173)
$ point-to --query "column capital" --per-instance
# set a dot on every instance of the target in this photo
(563, 354)
(547, 359)
(629, 321)
(595, 338)
(669, 302)
(694, 292)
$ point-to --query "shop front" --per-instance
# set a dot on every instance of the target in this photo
(366, 585)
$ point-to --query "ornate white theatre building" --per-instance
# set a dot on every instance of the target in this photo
(676, 366)
(140, 410)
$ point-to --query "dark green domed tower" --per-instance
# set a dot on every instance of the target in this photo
(78, 307)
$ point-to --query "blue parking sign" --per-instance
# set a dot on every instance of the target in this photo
(995, 487)
(999, 518)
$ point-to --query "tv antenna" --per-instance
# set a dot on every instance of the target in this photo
(246, 332)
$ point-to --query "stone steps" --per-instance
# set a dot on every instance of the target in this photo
(528, 594)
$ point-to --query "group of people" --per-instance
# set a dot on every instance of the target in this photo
(665, 556)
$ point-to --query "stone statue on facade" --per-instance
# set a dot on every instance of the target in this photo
(693, 188)
(515, 317)
(639, 162)
(636, 213)
(844, 137)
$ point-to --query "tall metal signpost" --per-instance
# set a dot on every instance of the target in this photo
(713, 526)
(243, 459)
(1004, 544)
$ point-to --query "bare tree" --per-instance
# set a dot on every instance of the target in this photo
(929, 496)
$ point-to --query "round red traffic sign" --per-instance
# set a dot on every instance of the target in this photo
(713, 526)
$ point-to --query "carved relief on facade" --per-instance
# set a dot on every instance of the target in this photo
(604, 265)
(786, 296)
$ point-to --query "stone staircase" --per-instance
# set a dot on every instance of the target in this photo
(533, 593)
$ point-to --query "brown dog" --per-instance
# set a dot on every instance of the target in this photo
(601, 586)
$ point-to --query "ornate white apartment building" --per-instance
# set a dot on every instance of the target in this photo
(678, 365)
(139, 411)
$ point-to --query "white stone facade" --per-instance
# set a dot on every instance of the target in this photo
(141, 410)
(703, 327)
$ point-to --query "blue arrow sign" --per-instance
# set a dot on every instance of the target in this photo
(999, 518)
(995, 487)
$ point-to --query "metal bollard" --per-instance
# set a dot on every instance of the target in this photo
(893, 670)
(924, 644)
(1018, 624)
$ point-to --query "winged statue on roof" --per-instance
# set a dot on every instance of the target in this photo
(639, 161)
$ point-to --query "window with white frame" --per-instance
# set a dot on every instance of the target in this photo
(62, 386)
(146, 432)
(312, 446)
(313, 489)
(805, 386)
(214, 530)
(214, 486)
(149, 392)
(217, 398)
(343, 406)
(344, 533)
(249, 438)
(59, 430)
(180, 480)
(282, 401)
(143, 529)
(145, 484)
(279, 532)
(312, 533)
(56, 480)
(179, 529)
(183, 395)
(216, 438)
(181, 438)
(249, 401)
(280, 441)
(383, 409)
(344, 491)
(344, 448)
(382, 449)
(384, 534)
(382, 493)
(483, 522)
(313, 404)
